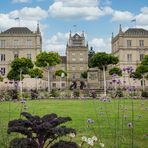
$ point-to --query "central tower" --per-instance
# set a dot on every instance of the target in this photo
(77, 57)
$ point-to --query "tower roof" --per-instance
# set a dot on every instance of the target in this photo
(18, 30)
(136, 31)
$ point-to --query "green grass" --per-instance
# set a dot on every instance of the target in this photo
(109, 125)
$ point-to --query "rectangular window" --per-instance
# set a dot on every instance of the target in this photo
(73, 68)
(2, 43)
(129, 43)
(81, 59)
(73, 76)
(63, 84)
(2, 70)
(29, 43)
(2, 57)
(129, 57)
(141, 43)
(81, 54)
(16, 43)
(54, 85)
(73, 54)
(141, 57)
(29, 56)
(16, 55)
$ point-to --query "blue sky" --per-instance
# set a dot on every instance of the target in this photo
(97, 18)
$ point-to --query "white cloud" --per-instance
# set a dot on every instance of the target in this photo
(79, 9)
(29, 13)
(56, 43)
(20, 1)
(122, 16)
(142, 18)
(100, 44)
(28, 18)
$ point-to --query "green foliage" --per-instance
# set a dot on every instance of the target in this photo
(145, 60)
(142, 69)
(22, 64)
(84, 74)
(102, 59)
(76, 93)
(36, 73)
(119, 92)
(144, 94)
(136, 75)
(19, 65)
(115, 70)
(59, 73)
(14, 75)
(1, 79)
(39, 132)
(47, 59)
(55, 93)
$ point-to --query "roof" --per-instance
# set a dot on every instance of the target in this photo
(18, 30)
(136, 31)
(63, 59)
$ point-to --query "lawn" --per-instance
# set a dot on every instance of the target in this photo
(111, 119)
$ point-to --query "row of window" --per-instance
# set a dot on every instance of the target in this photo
(73, 54)
(129, 43)
(54, 85)
(74, 59)
(129, 57)
(16, 43)
(16, 55)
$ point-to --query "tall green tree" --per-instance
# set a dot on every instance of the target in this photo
(102, 60)
(115, 70)
(36, 73)
(19, 66)
(60, 72)
(47, 59)
(142, 70)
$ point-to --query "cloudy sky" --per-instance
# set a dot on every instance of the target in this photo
(97, 18)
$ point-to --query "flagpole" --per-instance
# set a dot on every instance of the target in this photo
(135, 23)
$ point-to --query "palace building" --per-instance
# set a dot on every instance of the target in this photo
(130, 47)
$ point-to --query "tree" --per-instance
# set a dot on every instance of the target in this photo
(115, 70)
(22, 65)
(142, 70)
(60, 72)
(102, 60)
(48, 60)
(40, 132)
(19, 66)
(36, 73)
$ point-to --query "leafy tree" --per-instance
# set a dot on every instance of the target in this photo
(45, 59)
(40, 132)
(115, 70)
(49, 59)
(14, 75)
(22, 64)
(102, 60)
(59, 73)
(36, 73)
